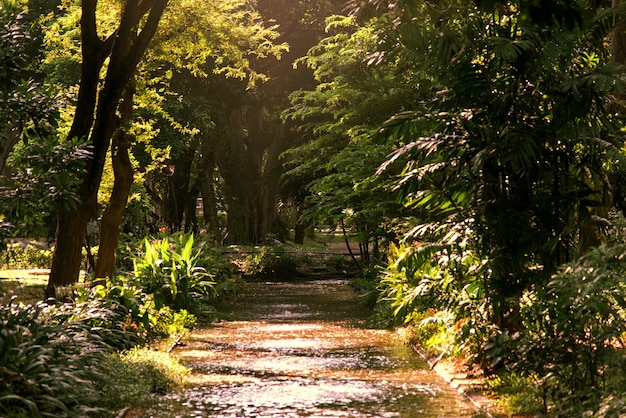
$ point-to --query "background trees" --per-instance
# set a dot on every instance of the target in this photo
(500, 151)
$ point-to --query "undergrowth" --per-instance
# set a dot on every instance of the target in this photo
(86, 357)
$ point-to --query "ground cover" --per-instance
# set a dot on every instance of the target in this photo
(257, 262)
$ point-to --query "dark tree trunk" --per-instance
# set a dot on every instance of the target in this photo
(208, 193)
(250, 167)
(300, 233)
(125, 48)
(9, 141)
(123, 173)
(181, 200)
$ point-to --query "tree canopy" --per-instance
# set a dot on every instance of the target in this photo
(476, 149)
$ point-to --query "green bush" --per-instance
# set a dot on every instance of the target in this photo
(436, 277)
(62, 360)
(169, 270)
(573, 333)
(133, 377)
(18, 257)
(273, 261)
(46, 364)
(517, 395)
(129, 317)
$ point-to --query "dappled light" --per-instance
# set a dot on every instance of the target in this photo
(302, 349)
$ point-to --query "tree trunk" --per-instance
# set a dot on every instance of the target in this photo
(9, 141)
(180, 200)
(249, 164)
(300, 233)
(125, 47)
(618, 41)
(123, 173)
(208, 193)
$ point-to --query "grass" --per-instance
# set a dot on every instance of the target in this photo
(135, 376)
(516, 395)
(28, 286)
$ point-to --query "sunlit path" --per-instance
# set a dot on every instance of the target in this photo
(300, 349)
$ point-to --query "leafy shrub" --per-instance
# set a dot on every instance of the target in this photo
(434, 277)
(46, 364)
(273, 261)
(18, 257)
(516, 394)
(572, 339)
(128, 317)
(169, 269)
(59, 361)
(132, 377)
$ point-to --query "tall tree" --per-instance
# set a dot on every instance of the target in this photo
(340, 117)
(512, 154)
(95, 116)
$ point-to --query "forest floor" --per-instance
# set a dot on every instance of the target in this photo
(29, 283)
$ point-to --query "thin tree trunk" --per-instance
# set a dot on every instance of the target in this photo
(209, 198)
(123, 173)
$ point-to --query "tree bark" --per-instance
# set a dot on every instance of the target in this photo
(207, 186)
(8, 142)
(125, 47)
(618, 41)
(123, 173)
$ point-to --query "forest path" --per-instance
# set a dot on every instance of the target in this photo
(302, 348)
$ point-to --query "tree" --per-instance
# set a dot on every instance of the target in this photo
(26, 107)
(186, 71)
(339, 119)
(513, 154)
(95, 116)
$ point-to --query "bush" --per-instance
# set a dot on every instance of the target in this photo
(62, 360)
(169, 270)
(273, 261)
(132, 377)
(572, 339)
(46, 364)
(420, 280)
(517, 395)
(31, 256)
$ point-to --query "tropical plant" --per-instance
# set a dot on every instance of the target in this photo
(46, 364)
(513, 147)
(169, 270)
(129, 316)
(572, 341)
(62, 360)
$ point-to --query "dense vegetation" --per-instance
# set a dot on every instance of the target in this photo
(80, 356)
(474, 149)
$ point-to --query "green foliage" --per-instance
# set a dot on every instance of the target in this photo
(131, 317)
(24, 104)
(58, 361)
(46, 175)
(508, 160)
(169, 270)
(516, 394)
(572, 340)
(274, 261)
(46, 363)
(18, 257)
(338, 119)
(440, 284)
(133, 377)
